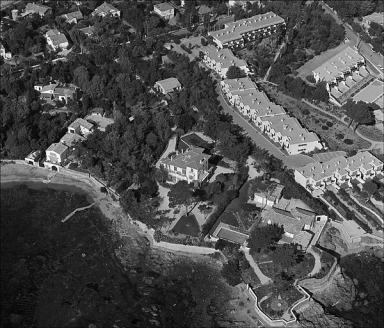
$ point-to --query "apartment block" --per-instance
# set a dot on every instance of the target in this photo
(220, 60)
(190, 165)
(289, 134)
(338, 171)
(237, 34)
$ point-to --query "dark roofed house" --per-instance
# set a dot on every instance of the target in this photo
(73, 18)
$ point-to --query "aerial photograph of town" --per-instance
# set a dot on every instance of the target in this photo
(192, 163)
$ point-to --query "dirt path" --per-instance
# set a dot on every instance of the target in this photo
(77, 210)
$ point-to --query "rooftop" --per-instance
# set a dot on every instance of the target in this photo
(101, 121)
(338, 64)
(290, 127)
(49, 88)
(165, 6)
(371, 93)
(259, 102)
(58, 148)
(240, 84)
(224, 56)
(234, 30)
(89, 30)
(104, 8)
(193, 158)
(36, 8)
(73, 15)
(56, 36)
(231, 235)
(375, 17)
(341, 165)
(69, 139)
(81, 122)
(169, 84)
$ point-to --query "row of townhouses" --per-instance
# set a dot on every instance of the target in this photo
(344, 74)
(338, 172)
(237, 34)
(219, 60)
(269, 117)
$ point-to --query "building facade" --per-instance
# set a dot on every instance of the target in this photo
(164, 10)
(238, 33)
(338, 172)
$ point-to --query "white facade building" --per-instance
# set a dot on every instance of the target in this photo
(164, 10)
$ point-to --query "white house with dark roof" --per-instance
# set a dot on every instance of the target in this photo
(106, 9)
(168, 85)
(220, 60)
(236, 34)
(56, 40)
(190, 165)
(338, 171)
(81, 127)
(73, 17)
(164, 10)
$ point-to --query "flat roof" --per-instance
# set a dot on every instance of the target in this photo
(232, 235)
(342, 165)
(338, 64)
(190, 158)
(371, 93)
(234, 30)
(223, 56)
(290, 127)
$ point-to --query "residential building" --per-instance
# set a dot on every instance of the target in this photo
(220, 60)
(377, 18)
(88, 31)
(164, 10)
(241, 3)
(106, 9)
(241, 84)
(268, 197)
(289, 134)
(57, 91)
(168, 85)
(229, 233)
(338, 172)
(56, 40)
(46, 91)
(3, 53)
(190, 165)
(73, 17)
(33, 158)
(238, 33)
(69, 139)
(56, 153)
(100, 121)
(64, 93)
(81, 127)
(344, 74)
(34, 8)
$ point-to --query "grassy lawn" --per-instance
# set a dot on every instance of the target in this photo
(371, 132)
(187, 225)
(337, 135)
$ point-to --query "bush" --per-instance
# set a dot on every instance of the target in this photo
(324, 127)
(103, 190)
(339, 136)
(311, 79)
(329, 123)
(348, 141)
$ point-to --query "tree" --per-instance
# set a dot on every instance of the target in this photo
(235, 72)
(320, 93)
(370, 187)
(231, 272)
(181, 193)
(264, 237)
(287, 255)
(359, 112)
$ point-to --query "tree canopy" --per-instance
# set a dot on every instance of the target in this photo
(235, 72)
(264, 237)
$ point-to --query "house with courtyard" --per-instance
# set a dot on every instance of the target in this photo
(56, 40)
(165, 10)
(237, 34)
(106, 9)
(167, 86)
(190, 165)
(219, 60)
(338, 172)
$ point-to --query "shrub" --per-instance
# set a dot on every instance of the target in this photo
(329, 123)
(348, 141)
(324, 127)
(339, 136)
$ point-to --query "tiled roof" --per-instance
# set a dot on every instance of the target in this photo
(290, 127)
(234, 30)
(56, 36)
(48, 88)
(169, 84)
(190, 158)
(164, 6)
(71, 138)
(232, 235)
(318, 171)
(224, 56)
(240, 84)
(73, 15)
(36, 8)
(375, 17)
(338, 64)
(81, 122)
(104, 8)
(58, 148)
